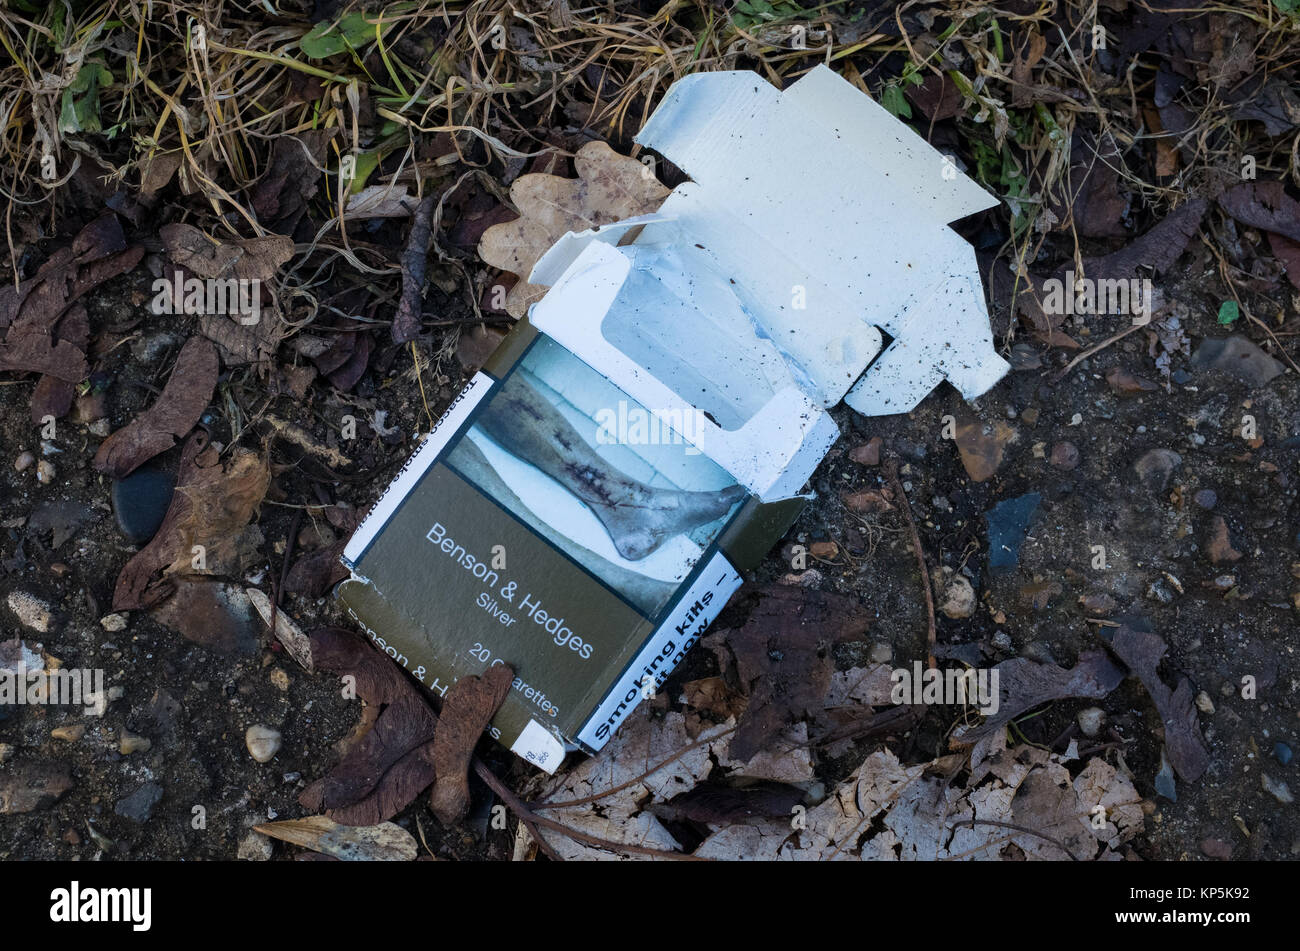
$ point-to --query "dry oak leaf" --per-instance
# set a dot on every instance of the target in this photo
(783, 658)
(609, 188)
(177, 409)
(1142, 651)
(30, 312)
(649, 760)
(243, 259)
(392, 763)
(888, 811)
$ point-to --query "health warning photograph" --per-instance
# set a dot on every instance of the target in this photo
(597, 475)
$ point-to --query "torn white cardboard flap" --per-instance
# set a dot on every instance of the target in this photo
(755, 294)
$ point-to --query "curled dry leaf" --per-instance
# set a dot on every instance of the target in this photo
(783, 658)
(1142, 651)
(648, 760)
(384, 842)
(467, 709)
(888, 811)
(1024, 803)
(211, 508)
(244, 259)
(1157, 250)
(393, 762)
(1024, 684)
(177, 409)
(1264, 205)
(609, 188)
(36, 340)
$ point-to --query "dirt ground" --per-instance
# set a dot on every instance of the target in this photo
(1089, 147)
(194, 704)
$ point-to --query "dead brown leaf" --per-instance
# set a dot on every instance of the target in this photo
(393, 762)
(280, 197)
(177, 409)
(209, 512)
(1264, 205)
(1142, 651)
(783, 659)
(609, 187)
(376, 842)
(1024, 684)
(38, 337)
(1288, 252)
(244, 259)
(467, 709)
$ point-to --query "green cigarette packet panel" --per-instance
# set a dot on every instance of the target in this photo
(552, 523)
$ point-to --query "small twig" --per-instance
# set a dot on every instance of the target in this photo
(1091, 350)
(515, 805)
(1017, 828)
(532, 822)
(278, 590)
(568, 803)
(891, 470)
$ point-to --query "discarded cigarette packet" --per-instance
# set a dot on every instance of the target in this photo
(588, 503)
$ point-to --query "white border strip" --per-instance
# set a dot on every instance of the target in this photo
(682, 629)
(447, 426)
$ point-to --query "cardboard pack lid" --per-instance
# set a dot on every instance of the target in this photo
(756, 294)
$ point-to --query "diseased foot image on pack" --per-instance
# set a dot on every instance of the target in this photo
(611, 506)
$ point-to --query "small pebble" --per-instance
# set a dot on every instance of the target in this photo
(24, 461)
(263, 742)
(140, 501)
(1282, 753)
(823, 549)
(69, 734)
(113, 622)
(138, 806)
(1277, 789)
(868, 454)
(255, 847)
(957, 597)
(1065, 455)
(1206, 499)
(1091, 720)
(1204, 703)
(811, 578)
(280, 679)
(1216, 849)
(45, 472)
(1002, 641)
(134, 744)
(31, 611)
